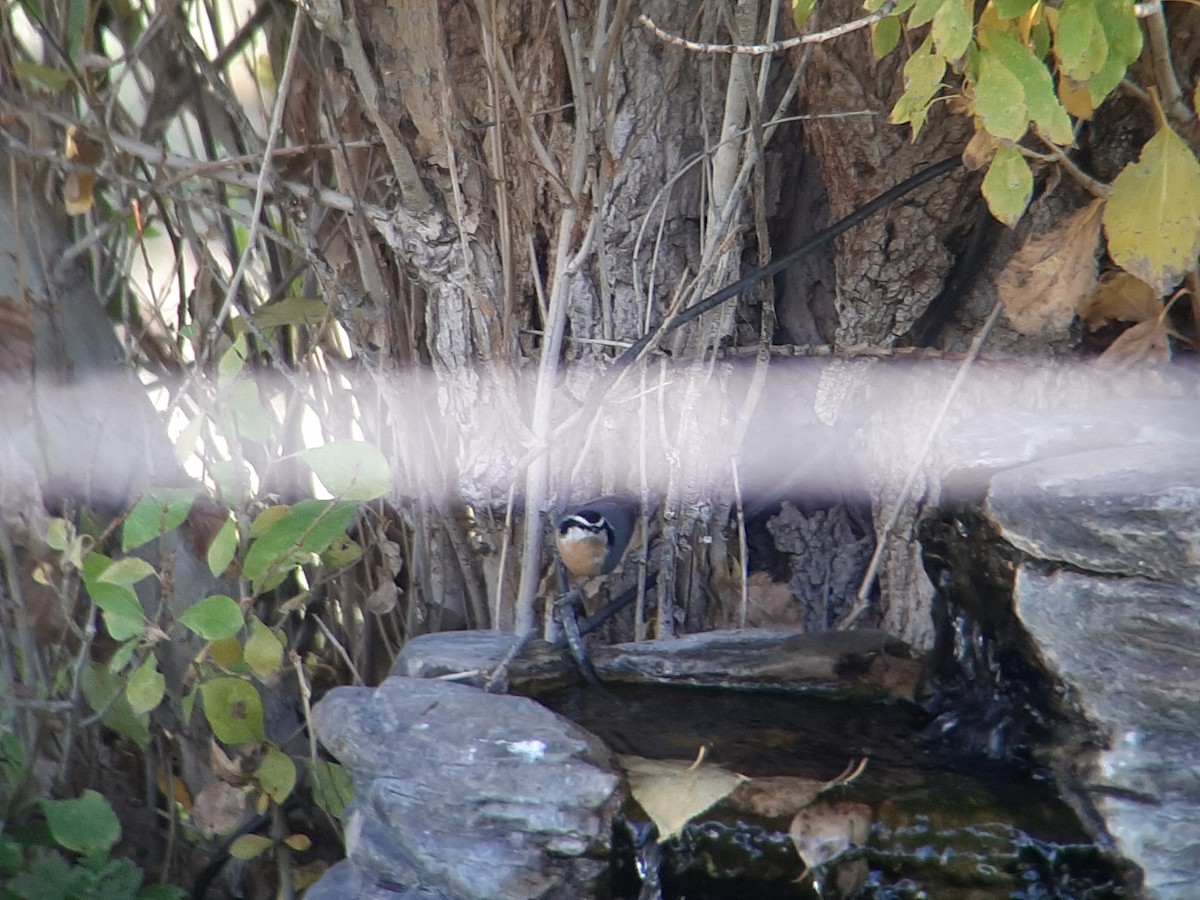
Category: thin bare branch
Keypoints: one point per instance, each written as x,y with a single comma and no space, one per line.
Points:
817,37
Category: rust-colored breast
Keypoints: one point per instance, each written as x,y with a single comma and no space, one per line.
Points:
583,553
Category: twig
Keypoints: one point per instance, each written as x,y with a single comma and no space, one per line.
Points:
864,590
743,553
1164,68
817,37
1092,185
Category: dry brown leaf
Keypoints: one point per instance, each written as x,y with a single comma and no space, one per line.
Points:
172,786
979,150
1145,342
673,792
16,337
1047,279
383,599
1076,98
1120,297
219,808
825,830
776,796
77,191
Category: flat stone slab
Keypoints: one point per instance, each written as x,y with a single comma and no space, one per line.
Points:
766,658
469,657
1123,511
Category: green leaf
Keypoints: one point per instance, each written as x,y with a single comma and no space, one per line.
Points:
302,310
885,35
1080,42
126,571
105,693
252,419
1124,36
123,655
1152,219
264,649
922,78
59,534
223,548
276,774
214,618
1000,98
1012,9
307,528
350,470
333,788
248,846
923,12
154,515
85,825
232,361
801,10
342,552
1008,185
233,708
46,76
123,613
952,28
1041,99
146,686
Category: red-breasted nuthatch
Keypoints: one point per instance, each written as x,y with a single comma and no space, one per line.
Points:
592,537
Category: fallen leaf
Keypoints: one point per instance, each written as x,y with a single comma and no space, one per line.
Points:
673,792
1120,297
219,808
824,830
776,796
1145,342
1048,278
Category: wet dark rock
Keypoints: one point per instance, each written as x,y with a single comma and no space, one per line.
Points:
1128,651
464,794
1077,602
866,660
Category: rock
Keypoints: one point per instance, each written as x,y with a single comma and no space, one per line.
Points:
1123,511
473,655
464,794
1128,651
1110,606
765,658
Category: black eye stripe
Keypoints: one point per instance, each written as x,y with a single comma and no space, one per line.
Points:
584,522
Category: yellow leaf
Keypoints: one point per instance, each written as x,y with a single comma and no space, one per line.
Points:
673,792
264,650
248,846
1048,278
1153,215
77,192
172,786
1008,185
298,842
226,653
1076,99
